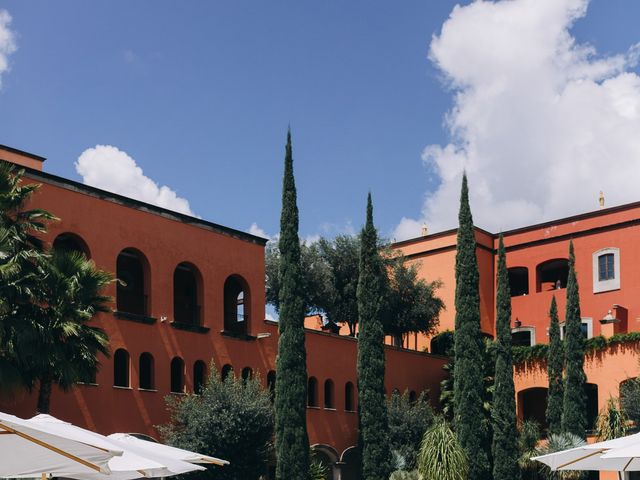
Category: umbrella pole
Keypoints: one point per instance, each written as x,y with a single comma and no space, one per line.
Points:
44,476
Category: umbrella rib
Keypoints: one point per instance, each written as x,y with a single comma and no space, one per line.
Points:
581,458
51,447
628,463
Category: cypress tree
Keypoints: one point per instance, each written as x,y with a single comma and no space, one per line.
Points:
291,439
374,436
574,419
468,375
503,415
555,366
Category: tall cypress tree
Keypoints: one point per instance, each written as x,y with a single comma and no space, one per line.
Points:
555,367
574,419
374,436
292,441
503,415
468,375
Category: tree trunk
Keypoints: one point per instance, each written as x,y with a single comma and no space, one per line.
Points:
44,393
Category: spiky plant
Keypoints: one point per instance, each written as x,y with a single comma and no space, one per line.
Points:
441,456
611,422
556,443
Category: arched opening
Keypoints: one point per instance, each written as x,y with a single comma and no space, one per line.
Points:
351,460
186,294
552,274
328,394
247,374
312,392
592,410
146,372
132,271
349,404
413,397
518,281
630,399
327,456
532,405
271,383
226,371
236,305
199,376
121,368
177,375
70,242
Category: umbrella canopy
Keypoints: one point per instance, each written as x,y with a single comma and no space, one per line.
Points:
595,456
31,450
133,463
166,450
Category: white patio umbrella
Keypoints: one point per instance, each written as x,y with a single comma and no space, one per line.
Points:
32,450
133,463
166,450
595,456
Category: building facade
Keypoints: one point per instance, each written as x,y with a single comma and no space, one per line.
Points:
192,294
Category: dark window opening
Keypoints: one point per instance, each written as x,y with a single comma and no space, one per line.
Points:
328,394
69,242
271,383
552,275
121,368
226,371
591,393
584,329
199,376
518,281
236,305
532,404
247,374
177,375
312,392
413,397
521,338
348,397
131,290
146,371
186,308
606,270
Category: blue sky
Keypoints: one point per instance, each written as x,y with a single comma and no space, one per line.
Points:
200,95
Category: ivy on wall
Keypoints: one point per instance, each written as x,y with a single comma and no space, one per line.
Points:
523,356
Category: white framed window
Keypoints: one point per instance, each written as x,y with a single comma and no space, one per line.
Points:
606,270
587,328
523,336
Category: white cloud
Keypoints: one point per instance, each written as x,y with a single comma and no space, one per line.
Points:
254,229
540,122
111,169
7,41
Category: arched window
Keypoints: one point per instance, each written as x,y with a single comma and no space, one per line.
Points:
328,394
186,294
177,375
226,371
348,397
552,274
523,336
247,374
236,305
132,271
199,376
518,281
413,397
146,372
70,242
532,405
271,382
312,392
121,368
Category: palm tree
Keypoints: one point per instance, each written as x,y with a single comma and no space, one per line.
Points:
20,254
441,457
61,347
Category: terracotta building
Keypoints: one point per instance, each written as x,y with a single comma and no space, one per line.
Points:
193,293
